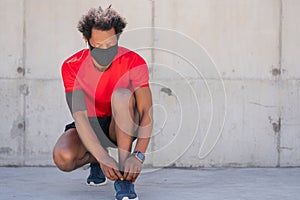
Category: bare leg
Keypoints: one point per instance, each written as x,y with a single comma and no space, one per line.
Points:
123,123
69,153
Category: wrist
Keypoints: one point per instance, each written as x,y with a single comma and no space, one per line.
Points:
102,156
139,156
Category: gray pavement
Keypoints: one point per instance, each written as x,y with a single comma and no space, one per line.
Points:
166,184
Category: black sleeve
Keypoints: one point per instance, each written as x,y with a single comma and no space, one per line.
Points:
76,101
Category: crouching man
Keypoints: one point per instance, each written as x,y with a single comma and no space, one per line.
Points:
108,94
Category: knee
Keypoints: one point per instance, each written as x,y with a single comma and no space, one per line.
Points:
122,98
64,159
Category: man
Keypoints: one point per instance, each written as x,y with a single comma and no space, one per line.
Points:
108,94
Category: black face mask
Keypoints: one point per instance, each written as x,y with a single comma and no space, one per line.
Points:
104,57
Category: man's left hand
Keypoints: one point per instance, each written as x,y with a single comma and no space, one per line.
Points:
132,169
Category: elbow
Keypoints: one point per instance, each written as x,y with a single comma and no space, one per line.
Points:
79,115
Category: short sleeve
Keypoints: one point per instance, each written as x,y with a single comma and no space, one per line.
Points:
139,73
69,78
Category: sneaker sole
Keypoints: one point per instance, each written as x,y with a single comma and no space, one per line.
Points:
99,184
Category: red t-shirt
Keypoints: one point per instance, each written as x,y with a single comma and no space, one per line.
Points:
128,70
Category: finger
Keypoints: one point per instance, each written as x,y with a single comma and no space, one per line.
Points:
104,170
136,174
130,174
133,180
113,174
126,172
110,173
135,177
118,173
106,173
129,177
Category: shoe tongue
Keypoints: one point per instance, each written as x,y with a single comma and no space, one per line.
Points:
125,185
128,183
95,168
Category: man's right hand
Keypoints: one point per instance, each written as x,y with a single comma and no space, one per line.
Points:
110,168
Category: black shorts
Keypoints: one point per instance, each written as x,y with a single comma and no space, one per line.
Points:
100,126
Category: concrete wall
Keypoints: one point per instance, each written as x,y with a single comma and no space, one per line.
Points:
224,74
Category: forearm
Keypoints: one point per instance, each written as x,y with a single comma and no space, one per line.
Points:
88,136
144,133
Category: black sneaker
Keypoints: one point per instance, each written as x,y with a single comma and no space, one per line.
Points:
125,190
96,177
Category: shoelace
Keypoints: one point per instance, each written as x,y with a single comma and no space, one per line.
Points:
95,170
125,186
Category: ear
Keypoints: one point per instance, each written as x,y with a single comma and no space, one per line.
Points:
85,39
86,42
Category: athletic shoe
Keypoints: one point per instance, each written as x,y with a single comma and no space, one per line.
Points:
125,190
96,177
